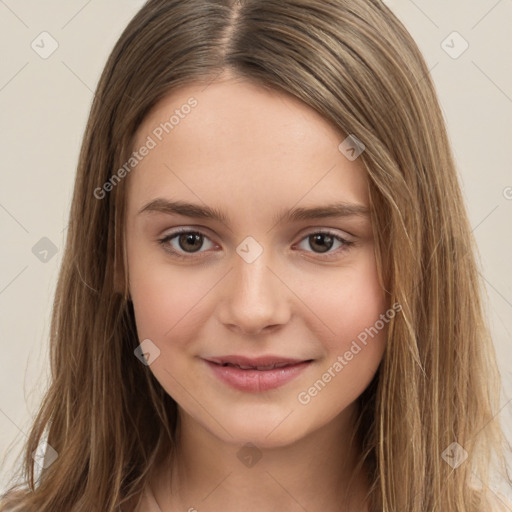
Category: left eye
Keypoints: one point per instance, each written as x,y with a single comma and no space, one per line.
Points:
324,240
189,242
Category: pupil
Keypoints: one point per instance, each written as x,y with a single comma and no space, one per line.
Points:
318,240
190,238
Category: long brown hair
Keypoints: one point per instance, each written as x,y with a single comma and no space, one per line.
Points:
108,418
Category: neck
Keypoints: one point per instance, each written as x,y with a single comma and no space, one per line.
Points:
316,473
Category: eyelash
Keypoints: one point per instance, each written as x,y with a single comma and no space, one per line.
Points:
167,238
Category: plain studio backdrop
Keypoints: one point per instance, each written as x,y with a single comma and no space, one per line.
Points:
52,54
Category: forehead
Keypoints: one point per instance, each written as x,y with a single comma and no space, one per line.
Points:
240,108
241,139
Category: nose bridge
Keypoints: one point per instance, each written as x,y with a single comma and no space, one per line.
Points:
255,297
254,278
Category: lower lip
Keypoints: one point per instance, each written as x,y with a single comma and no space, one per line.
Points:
257,380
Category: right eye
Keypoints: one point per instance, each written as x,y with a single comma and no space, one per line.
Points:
185,239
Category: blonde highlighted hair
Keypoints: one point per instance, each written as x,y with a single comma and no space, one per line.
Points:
354,63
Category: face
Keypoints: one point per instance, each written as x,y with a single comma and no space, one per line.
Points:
264,313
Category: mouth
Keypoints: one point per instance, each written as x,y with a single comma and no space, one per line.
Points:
256,374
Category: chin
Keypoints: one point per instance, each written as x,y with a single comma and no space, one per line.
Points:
265,426
259,436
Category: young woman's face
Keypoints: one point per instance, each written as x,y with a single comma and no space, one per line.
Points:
267,284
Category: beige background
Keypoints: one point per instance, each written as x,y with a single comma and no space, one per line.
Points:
45,103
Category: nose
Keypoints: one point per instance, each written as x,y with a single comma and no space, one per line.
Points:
255,298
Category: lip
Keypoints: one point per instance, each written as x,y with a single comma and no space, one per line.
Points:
256,374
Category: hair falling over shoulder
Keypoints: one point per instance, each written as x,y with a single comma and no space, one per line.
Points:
438,384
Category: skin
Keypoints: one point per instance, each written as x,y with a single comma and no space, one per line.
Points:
252,152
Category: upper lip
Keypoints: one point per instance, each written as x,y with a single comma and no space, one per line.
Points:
256,362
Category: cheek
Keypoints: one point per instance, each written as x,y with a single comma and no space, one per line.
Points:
167,300
349,303
352,306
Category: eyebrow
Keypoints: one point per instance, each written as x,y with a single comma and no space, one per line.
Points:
336,210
